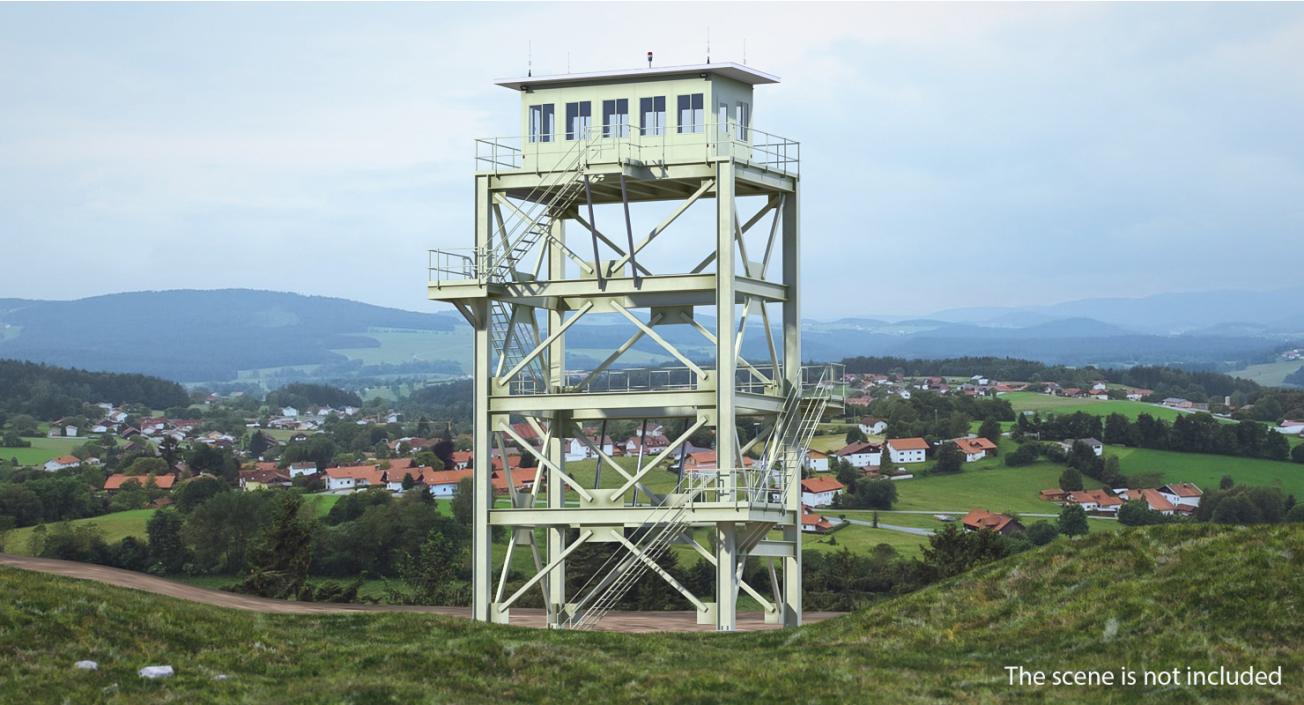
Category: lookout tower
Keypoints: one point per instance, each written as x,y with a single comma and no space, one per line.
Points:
718,426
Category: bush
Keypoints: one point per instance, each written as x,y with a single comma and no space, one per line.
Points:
950,459
1139,513
1073,520
1026,454
1042,533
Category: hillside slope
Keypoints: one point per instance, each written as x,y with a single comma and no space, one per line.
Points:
1163,598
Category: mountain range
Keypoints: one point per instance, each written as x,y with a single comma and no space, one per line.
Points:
230,334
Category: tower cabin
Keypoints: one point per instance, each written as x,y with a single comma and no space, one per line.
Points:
640,117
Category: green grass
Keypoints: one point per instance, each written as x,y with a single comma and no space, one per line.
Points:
43,449
1158,598
1206,470
116,526
1033,401
990,486
861,539
1270,374
401,345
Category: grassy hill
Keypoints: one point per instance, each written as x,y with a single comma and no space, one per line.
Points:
1162,598
1033,401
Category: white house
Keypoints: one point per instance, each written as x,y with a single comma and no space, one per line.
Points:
871,426
1182,494
820,491
443,483
861,454
816,461
289,411
975,448
907,450
62,462
577,450
302,469
1290,427
354,477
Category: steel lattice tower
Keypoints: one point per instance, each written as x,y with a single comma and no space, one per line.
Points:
541,263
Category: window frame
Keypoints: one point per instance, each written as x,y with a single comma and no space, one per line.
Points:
658,126
546,127
696,112
619,128
580,124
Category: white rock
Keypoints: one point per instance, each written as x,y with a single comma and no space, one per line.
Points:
221,677
87,665
156,672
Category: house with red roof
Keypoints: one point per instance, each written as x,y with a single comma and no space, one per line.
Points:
820,491
62,462
979,519
860,454
813,523
1182,494
352,477
907,450
117,481
1100,501
975,448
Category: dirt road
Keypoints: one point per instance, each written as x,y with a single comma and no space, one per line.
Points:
684,621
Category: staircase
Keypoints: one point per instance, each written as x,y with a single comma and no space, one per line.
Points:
549,200
666,526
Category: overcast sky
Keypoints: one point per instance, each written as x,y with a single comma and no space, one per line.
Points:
952,155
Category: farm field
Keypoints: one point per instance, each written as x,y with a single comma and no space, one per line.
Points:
1270,374
994,487
398,346
1033,401
862,539
116,526
1207,470
42,449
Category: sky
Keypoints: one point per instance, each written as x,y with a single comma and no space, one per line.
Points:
952,155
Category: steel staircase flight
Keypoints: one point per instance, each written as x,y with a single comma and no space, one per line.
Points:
549,200
629,568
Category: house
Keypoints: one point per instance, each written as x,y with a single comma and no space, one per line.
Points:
820,491
262,478
861,454
979,519
974,448
524,479
1095,501
1138,393
700,460
1153,499
872,426
443,483
354,477
815,461
1100,394
907,450
813,523
577,449
1096,446
1182,494
651,445
115,482
302,469
1290,427
62,462
420,476
1053,495
461,459
1177,403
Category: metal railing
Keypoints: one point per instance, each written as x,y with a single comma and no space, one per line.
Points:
711,140
761,378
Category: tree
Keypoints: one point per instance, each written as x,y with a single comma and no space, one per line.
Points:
1226,483
258,444
1070,480
855,435
1042,533
1025,454
991,430
1138,513
1073,520
432,572
148,465
196,491
1237,509
279,561
167,552
13,440
408,483
464,502
871,494
1297,453
950,459
1276,447
846,473
953,550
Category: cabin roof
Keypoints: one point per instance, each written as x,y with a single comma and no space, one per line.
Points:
737,72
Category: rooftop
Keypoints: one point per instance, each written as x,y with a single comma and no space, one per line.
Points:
737,72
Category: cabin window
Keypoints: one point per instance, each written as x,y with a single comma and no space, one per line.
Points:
722,119
653,111
744,119
615,118
692,117
579,119
542,123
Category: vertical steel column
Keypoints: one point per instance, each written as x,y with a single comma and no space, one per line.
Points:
560,422
481,532
726,366
791,215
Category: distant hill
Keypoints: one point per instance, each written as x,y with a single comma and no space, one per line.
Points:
189,335
50,392
1144,599
210,336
